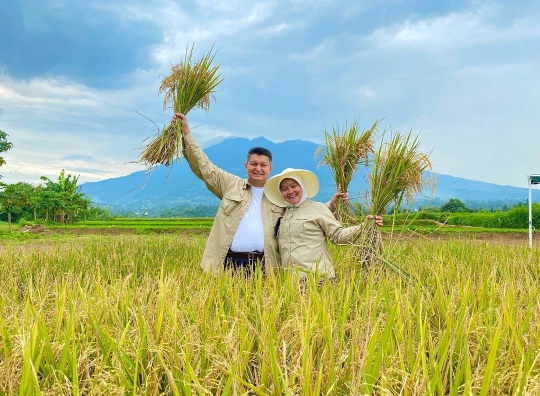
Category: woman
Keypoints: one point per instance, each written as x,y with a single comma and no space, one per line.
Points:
305,225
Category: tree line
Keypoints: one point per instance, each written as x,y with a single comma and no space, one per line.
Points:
58,201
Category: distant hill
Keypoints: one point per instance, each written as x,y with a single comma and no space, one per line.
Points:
176,185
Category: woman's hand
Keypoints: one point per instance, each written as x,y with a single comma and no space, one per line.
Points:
378,219
334,200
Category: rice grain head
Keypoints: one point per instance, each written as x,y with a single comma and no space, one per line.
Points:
397,177
191,84
343,152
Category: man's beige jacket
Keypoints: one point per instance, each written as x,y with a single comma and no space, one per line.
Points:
235,195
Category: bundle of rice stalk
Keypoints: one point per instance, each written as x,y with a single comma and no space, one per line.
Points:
343,152
397,177
191,84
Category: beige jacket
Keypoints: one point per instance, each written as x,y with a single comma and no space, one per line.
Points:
302,238
235,195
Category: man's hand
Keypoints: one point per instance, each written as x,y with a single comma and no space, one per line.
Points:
183,119
333,202
378,219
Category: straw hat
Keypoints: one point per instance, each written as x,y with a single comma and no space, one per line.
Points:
271,187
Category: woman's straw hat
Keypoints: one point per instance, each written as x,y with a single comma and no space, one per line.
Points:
271,187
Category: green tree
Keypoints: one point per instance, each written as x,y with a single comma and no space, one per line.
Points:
64,197
454,205
35,200
4,146
13,198
518,216
97,213
50,200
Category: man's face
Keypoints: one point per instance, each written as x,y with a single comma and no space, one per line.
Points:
258,168
290,191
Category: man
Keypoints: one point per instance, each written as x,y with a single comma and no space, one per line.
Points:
243,231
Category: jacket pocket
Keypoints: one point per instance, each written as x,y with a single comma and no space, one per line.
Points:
298,224
230,204
278,210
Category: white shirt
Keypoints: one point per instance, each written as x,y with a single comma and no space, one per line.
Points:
249,236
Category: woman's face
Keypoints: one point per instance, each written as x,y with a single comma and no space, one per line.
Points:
290,191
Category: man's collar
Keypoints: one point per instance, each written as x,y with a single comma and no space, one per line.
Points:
247,184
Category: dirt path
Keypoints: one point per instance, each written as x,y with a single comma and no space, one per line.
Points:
495,237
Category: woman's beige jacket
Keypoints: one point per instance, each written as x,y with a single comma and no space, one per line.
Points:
302,238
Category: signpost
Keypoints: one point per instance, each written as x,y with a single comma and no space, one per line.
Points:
532,179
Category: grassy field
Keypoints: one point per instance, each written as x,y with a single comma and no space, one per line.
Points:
116,314
174,225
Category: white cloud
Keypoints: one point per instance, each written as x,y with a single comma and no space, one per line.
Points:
128,11
50,119
483,125
453,31
208,135
319,51
202,29
275,29
366,95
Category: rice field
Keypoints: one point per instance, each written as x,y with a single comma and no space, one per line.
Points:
134,314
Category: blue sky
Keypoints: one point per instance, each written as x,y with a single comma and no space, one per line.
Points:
76,78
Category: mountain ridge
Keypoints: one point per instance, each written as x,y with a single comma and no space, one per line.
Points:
166,187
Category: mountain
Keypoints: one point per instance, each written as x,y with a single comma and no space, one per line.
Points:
176,185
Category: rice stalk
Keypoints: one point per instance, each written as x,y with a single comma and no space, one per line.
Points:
343,152
396,178
190,85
